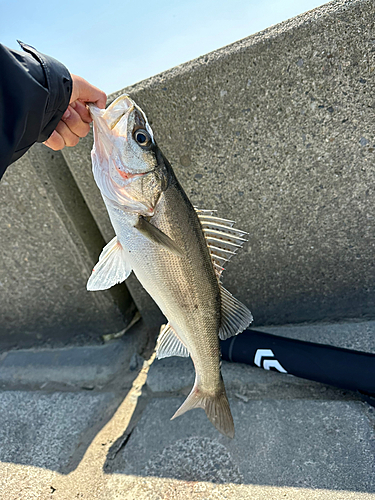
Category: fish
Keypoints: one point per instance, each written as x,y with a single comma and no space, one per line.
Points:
176,251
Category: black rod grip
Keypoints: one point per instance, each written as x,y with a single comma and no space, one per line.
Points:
344,368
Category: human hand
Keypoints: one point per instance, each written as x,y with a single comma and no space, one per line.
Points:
76,119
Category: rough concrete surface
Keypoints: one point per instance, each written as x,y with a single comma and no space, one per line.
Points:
48,241
294,440
85,365
357,335
311,444
44,430
276,132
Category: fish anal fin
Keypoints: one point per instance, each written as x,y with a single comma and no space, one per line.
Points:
216,407
235,316
112,267
169,344
156,236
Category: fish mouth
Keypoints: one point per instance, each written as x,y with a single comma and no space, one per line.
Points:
117,109
112,125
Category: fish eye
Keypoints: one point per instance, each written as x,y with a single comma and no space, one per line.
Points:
142,137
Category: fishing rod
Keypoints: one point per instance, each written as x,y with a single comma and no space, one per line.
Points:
344,368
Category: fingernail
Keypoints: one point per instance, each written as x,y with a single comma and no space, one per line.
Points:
66,114
73,104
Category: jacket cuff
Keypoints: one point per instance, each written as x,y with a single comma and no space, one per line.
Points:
59,83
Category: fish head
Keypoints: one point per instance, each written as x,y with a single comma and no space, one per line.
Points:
124,157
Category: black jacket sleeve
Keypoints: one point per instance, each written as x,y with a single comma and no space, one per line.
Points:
35,90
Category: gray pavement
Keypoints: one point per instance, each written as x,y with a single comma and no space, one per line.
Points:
304,443
108,435
44,429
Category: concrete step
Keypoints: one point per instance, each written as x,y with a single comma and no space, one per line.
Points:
87,367
295,439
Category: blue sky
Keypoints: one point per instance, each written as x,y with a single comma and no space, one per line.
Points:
116,43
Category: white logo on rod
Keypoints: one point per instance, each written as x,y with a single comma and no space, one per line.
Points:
267,364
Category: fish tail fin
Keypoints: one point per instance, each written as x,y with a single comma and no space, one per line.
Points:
216,407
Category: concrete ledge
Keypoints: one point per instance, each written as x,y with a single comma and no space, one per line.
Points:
88,366
82,367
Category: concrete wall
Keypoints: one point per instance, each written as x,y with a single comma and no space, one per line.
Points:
276,132
49,243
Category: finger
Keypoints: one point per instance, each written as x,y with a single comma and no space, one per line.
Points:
55,141
72,119
86,92
69,137
82,110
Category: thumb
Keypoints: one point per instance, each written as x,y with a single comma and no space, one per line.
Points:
85,92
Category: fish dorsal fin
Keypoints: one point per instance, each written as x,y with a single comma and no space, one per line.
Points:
169,344
235,317
222,239
111,268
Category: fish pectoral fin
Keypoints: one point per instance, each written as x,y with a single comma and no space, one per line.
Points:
169,344
235,317
111,268
155,235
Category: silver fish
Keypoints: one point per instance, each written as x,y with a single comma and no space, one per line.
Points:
176,251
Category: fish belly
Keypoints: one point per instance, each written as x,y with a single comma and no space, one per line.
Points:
185,288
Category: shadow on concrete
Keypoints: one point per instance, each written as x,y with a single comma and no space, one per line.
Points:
52,424
327,444
52,430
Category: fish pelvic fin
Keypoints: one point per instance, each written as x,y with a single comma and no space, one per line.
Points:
216,407
169,344
111,269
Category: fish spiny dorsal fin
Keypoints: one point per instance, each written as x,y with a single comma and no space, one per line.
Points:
169,344
235,317
222,239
